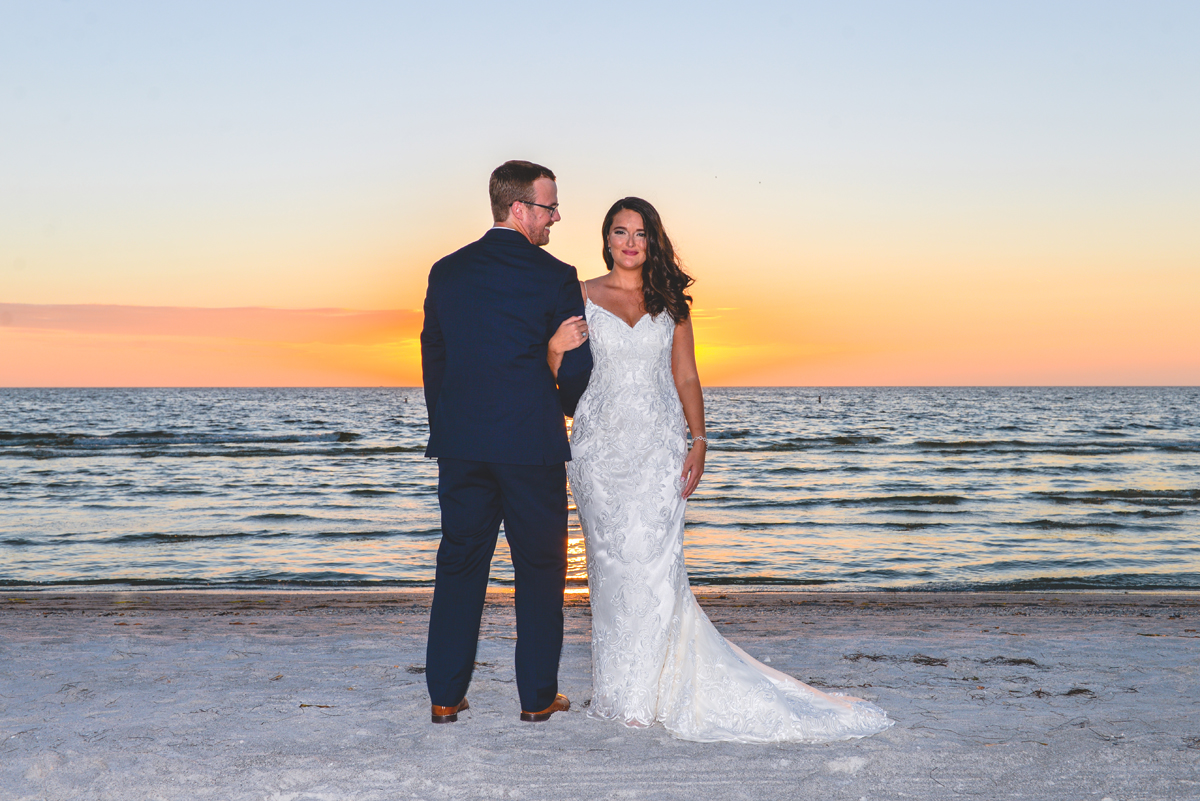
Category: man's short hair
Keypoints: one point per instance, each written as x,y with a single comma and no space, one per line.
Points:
513,181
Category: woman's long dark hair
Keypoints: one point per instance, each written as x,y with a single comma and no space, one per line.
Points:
664,283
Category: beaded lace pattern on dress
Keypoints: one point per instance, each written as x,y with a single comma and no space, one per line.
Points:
656,657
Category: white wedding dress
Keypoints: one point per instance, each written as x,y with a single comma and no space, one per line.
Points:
656,658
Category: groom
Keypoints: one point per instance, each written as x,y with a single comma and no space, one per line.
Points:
496,429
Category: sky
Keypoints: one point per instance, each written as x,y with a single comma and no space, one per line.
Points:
867,193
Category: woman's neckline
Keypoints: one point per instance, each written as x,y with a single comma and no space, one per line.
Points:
619,317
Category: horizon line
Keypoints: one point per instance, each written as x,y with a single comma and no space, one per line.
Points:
713,386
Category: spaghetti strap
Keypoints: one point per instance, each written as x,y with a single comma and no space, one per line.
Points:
583,286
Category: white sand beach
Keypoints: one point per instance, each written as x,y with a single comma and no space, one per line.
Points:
294,696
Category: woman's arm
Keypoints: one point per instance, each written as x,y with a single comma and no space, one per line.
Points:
571,333
687,384
569,336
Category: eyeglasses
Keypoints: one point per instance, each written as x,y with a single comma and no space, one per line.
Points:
550,209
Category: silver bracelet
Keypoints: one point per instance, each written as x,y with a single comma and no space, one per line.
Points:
700,439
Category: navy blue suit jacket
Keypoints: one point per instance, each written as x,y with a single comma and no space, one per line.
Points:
490,311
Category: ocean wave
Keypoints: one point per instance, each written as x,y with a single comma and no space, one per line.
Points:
699,523
160,537
1148,514
1093,447
975,444
1185,497
216,452
379,535
275,581
940,500
129,439
280,516
807,444
1017,446
1066,525
743,503
758,581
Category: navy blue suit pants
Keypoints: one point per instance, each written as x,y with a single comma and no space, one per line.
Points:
475,498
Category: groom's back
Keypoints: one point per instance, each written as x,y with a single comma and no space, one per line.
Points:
489,314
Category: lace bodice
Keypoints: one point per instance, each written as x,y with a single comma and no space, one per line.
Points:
630,407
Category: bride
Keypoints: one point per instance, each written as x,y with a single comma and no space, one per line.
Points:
656,658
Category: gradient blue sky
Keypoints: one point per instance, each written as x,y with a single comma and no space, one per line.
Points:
867,192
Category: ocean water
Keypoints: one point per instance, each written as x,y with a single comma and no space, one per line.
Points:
841,488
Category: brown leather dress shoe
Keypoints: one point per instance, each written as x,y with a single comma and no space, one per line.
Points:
561,704
449,714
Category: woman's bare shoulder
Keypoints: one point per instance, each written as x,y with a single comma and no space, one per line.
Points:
590,285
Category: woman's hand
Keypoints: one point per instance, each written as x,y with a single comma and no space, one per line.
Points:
570,335
693,467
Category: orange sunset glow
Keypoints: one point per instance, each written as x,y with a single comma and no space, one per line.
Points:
950,198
